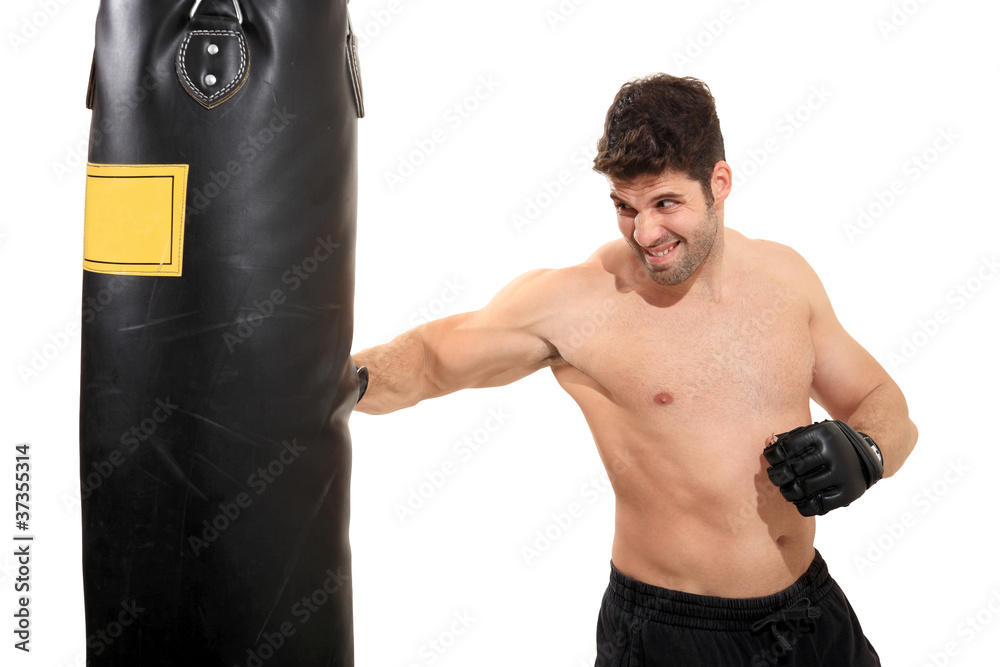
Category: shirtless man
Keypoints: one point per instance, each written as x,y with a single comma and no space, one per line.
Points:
706,348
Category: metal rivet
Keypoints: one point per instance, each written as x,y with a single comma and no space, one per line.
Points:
212,49
210,79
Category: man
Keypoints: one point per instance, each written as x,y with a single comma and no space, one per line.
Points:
705,345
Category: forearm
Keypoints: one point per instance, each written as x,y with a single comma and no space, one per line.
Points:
884,416
397,375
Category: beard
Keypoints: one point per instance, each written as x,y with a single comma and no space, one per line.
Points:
689,254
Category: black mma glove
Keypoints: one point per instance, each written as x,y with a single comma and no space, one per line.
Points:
362,379
823,466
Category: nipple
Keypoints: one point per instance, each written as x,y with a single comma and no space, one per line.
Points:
664,398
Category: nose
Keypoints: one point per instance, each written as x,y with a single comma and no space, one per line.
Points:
646,233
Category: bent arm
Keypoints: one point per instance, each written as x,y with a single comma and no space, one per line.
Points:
884,416
494,346
852,386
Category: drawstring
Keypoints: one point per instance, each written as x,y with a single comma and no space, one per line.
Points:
799,610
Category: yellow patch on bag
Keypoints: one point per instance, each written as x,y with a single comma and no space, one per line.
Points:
134,219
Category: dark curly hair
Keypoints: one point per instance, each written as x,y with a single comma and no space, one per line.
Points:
662,123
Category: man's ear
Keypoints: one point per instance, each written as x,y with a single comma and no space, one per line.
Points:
722,181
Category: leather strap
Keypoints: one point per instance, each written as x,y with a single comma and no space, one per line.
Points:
213,60
354,68
91,83
236,7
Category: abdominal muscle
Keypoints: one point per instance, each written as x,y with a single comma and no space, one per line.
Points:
710,524
694,509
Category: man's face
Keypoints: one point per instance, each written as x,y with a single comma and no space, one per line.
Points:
665,215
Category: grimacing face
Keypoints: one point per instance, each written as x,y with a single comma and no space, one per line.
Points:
667,222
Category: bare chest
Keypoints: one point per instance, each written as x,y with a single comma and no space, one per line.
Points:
748,356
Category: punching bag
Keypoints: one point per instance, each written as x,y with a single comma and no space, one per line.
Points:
218,298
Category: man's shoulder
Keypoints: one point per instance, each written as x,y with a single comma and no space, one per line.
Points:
547,300
761,249
582,278
611,263
772,257
612,251
784,268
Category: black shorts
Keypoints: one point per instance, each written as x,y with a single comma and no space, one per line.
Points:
809,623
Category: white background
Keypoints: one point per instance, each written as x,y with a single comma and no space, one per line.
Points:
444,241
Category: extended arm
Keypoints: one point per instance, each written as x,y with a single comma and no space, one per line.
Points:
501,343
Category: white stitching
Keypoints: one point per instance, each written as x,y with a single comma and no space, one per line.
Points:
239,74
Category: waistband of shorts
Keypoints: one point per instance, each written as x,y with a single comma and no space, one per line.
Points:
715,613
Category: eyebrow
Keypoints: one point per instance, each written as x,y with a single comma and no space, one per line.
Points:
658,197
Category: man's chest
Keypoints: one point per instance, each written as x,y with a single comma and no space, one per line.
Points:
751,352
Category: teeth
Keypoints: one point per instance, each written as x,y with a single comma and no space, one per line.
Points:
661,254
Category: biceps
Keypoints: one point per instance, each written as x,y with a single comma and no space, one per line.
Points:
467,350
845,372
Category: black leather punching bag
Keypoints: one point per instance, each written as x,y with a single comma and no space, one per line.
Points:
218,299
